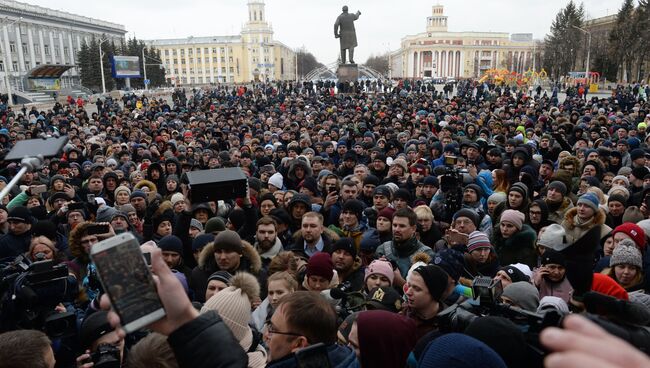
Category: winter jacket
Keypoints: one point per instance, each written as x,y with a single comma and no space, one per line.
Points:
250,262
339,356
558,215
519,248
575,231
403,254
193,344
298,246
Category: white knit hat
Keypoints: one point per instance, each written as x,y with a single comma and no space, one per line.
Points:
177,197
554,237
276,180
234,306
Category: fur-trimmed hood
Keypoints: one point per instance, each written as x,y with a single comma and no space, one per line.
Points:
146,183
291,173
250,258
569,218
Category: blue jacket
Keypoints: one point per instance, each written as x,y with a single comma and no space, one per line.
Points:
340,357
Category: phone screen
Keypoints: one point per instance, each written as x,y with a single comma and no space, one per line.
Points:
127,281
97,229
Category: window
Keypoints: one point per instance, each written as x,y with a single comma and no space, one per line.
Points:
173,52
37,50
25,51
214,50
2,66
23,29
27,66
175,61
190,51
182,52
223,70
12,47
223,49
191,70
223,59
230,59
166,52
47,50
57,52
232,69
66,51
191,60
14,66
183,61
214,59
206,50
198,50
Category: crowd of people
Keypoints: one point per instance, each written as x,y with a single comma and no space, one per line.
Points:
368,217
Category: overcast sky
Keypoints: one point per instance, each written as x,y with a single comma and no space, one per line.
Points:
310,23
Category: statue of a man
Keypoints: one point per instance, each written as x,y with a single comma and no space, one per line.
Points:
347,34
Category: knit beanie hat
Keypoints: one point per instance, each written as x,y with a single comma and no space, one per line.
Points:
435,278
520,188
201,241
633,214
589,199
624,178
502,335
237,218
382,190
355,206
276,180
345,244
370,240
523,294
234,306
138,194
196,224
177,197
640,172
105,214
402,194
371,179
617,198
626,252
93,327
470,214
549,303
554,237
551,256
451,261
126,208
379,267
604,284
228,240
214,224
559,186
171,243
514,217
497,197
320,264
123,188
477,240
223,276
515,274
387,212
633,231
617,189
459,351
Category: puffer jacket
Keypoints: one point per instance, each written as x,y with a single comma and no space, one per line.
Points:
250,262
519,248
339,356
575,231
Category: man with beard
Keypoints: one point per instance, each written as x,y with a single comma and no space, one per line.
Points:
268,245
404,244
313,237
347,264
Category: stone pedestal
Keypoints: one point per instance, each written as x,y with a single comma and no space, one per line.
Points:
346,74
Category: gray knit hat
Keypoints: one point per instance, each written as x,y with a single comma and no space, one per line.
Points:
195,223
523,294
553,236
626,252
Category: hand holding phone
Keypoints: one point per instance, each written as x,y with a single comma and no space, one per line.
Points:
178,308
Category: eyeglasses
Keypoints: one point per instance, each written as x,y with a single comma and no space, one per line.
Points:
535,213
270,329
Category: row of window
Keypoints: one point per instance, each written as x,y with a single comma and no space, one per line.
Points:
190,51
37,50
200,71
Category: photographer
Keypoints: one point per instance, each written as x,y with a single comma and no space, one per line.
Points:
18,239
100,341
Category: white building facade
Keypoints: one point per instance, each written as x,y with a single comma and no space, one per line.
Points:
34,37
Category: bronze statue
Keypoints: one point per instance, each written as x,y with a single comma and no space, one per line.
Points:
347,34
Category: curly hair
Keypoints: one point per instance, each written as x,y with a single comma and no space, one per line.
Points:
76,249
284,261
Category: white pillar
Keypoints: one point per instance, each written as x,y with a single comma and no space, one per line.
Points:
41,44
214,54
187,64
7,59
71,49
52,46
61,48
30,47
19,50
204,75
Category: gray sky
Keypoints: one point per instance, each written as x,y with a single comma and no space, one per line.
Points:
310,23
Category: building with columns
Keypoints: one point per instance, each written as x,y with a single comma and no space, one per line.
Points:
37,41
437,53
253,55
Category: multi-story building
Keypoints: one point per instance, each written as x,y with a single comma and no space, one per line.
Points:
439,53
253,55
41,42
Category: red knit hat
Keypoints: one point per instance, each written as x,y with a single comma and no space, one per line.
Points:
606,285
633,231
320,264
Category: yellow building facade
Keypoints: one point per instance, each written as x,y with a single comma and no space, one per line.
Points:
438,53
253,55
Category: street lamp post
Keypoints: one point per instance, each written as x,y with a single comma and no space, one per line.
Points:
144,67
10,99
101,65
588,50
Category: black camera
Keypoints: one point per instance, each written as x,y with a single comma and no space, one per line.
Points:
30,293
106,356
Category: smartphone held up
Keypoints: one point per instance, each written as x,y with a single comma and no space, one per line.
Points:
126,279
